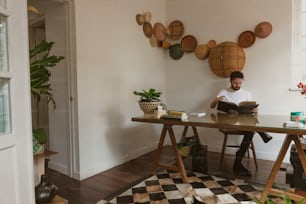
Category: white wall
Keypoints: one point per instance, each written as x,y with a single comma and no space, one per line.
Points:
114,58
191,85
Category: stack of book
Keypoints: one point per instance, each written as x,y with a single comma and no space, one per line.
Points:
176,115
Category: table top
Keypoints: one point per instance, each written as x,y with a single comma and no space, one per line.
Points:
46,153
242,122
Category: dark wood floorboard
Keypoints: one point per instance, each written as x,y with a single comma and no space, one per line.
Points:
109,183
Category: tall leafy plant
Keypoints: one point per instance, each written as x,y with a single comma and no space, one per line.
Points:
41,62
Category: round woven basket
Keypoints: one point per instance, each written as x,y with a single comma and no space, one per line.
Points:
189,43
175,30
148,107
225,58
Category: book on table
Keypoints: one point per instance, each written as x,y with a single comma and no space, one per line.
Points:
244,107
175,114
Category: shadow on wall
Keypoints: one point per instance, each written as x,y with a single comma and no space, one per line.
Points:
125,141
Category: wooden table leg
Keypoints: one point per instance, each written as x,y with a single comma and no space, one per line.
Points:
268,189
179,160
195,132
185,130
180,165
301,152
159,149
276,167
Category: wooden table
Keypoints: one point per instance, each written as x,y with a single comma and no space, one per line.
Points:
260,123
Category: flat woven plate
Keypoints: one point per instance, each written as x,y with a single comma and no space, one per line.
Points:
211,43
201,51
139,19
159,31
175,30
147,16
246,39
147,29
189,43
263,29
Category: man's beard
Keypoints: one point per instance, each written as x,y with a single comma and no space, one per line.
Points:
235,88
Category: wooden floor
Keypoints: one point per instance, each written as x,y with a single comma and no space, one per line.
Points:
113,181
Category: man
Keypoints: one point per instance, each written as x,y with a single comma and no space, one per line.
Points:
236,94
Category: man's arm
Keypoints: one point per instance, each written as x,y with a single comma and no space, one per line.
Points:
216,100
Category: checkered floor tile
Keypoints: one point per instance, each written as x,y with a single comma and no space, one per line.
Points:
168,188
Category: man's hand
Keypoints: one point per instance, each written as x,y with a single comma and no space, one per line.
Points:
254,111
216,100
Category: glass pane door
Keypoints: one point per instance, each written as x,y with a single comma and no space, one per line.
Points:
5,119
3,44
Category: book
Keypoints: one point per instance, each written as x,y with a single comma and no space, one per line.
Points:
176,115
244,107
292,124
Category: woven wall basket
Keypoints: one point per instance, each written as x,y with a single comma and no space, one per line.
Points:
225,58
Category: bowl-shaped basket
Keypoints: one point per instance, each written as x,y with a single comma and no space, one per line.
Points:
148,107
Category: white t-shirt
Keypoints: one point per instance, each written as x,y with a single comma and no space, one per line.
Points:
235,96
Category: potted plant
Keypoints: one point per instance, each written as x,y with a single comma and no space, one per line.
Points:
40,63
148,101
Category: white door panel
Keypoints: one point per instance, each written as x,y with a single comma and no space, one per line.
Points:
8,191
16,156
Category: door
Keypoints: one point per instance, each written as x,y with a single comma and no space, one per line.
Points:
54,24
16,157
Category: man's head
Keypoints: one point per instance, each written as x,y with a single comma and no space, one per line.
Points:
236,79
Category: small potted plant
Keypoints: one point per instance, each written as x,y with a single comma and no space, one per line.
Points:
148,101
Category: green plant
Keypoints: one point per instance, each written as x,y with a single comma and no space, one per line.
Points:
149,96
40,135
40,63
40,74
285,199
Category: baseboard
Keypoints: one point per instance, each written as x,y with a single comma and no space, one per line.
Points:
127,157
58,167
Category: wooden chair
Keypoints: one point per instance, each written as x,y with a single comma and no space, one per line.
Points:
225,145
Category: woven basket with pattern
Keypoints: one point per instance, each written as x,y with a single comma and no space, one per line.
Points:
225,58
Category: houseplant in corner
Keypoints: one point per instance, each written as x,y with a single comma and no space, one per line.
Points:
148,101
40,63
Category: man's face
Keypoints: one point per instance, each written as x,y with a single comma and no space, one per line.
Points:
236,83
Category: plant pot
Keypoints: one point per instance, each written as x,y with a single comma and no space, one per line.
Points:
148,107
37,147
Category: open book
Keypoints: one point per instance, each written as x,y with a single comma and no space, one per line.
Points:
244,107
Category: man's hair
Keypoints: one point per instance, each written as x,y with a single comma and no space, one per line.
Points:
236,74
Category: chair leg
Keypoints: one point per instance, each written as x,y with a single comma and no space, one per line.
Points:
223,147
254,154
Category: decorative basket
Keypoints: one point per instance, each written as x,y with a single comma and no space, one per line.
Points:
148,107
225,58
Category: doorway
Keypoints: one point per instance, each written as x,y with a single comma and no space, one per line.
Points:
52,24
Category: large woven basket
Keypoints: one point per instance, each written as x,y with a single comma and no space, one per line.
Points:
225,58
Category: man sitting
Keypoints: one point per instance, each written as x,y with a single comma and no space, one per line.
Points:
236,94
